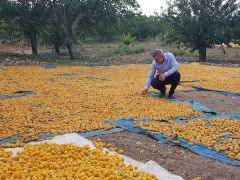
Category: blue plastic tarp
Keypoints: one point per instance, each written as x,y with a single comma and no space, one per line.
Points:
208,116
195,104
9,140
86,134
49,66
69,75
92,77
95,65
48,136
45,137
20,94
128,125
87,77
226,93
100,132
188,81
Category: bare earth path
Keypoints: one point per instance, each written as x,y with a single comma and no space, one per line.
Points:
221,104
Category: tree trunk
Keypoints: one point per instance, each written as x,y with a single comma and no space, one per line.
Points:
69,40
57,49
55,24
33,38
224,52
69,44
202,54
10,38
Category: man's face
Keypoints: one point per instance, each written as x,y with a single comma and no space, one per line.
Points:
159,59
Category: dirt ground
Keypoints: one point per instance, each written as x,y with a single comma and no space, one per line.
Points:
177,160
221,104
20,54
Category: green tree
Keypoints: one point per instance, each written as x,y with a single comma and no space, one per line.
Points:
30,15
171,37
54,32
58,18
78,13
127,39
10,31
143,27
201,24
236,29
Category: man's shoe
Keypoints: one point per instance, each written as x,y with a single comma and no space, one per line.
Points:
170,96
163,93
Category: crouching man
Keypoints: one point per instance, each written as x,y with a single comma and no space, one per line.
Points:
166,67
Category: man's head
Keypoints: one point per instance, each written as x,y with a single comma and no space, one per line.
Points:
158,55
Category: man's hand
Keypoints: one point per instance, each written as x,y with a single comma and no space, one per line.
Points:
144,92
162,77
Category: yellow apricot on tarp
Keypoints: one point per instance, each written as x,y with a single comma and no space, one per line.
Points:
67,106
196,132
120,151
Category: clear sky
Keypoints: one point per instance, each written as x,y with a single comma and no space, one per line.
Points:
149,6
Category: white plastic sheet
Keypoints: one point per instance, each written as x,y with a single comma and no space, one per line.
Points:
150,167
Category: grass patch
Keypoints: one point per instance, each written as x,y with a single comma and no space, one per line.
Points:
184,53
238,55
48,57
122,51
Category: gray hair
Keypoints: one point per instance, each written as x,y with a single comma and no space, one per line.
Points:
157,52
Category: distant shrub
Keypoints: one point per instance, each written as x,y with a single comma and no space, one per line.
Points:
178,52
122,51
185,53
127,39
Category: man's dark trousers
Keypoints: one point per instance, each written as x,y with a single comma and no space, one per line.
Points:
173,79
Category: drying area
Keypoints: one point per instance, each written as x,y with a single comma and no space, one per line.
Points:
39,103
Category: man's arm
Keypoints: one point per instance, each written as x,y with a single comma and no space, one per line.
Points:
150,76
174,66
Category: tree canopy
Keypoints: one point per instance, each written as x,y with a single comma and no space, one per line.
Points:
201,24
196,24
60,20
